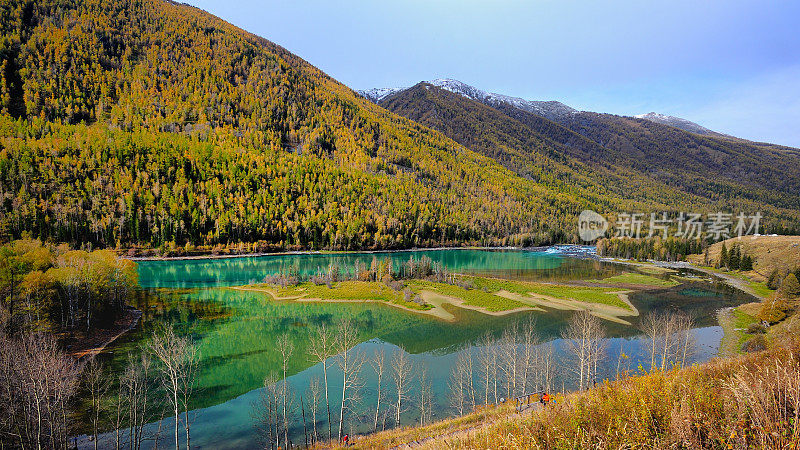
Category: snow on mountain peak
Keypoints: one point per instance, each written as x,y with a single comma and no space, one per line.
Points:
549,109
378,94
676,122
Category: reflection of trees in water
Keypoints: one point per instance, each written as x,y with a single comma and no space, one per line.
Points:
229,271
236,331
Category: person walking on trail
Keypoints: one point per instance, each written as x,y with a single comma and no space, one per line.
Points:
345,439
545,399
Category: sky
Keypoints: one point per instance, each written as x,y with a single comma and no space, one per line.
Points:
732,66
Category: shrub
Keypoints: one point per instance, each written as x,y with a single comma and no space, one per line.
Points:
773,310
789,287
756,344
394,284
756,328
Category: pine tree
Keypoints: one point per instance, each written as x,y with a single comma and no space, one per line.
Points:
723,257
734,257
746,263
773,282
789,287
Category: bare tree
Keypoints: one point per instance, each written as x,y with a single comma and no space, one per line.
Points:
487,359
37,382
96,384
687,344
378,363
321,347
350,362
508,359
530,353
425,401
401,375
583,337
132,400
265,412
669,338
285,348
548,366
314,397
178,357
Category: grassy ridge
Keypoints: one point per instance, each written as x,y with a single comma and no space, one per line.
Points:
638,278
481,294
472,297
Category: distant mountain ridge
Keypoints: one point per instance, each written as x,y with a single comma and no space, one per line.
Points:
616,157
549,109
553,110
677,122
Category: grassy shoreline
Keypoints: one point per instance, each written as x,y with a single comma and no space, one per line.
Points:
492,296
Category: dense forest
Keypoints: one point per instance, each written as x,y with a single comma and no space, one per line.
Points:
643,249
149,124
155,124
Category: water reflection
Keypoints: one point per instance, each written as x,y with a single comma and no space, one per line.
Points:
236,330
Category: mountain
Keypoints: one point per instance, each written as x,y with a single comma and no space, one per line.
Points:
548,109
157,125
624,160
152,124
677,122
552,110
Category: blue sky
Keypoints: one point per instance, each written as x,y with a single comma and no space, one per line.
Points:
732,66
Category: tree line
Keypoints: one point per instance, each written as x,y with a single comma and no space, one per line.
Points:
642,249
45,287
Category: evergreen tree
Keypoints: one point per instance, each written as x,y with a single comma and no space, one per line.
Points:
746,263
723,257
734,257
773,282
790,288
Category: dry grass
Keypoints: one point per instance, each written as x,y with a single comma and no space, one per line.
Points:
770,253
751,401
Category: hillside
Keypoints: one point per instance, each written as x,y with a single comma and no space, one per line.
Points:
624,156
769,253
156,124
749,401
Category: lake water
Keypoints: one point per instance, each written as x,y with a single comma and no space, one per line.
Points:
236,331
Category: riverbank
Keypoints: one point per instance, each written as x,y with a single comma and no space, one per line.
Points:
735,402
736,281
94,343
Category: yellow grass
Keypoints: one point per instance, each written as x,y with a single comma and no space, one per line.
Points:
770,252
743,402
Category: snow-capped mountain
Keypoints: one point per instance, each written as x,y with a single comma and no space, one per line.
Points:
549,109
378,94
676,122
552,110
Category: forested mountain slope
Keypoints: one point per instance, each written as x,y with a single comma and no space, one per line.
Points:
626,159
153,123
